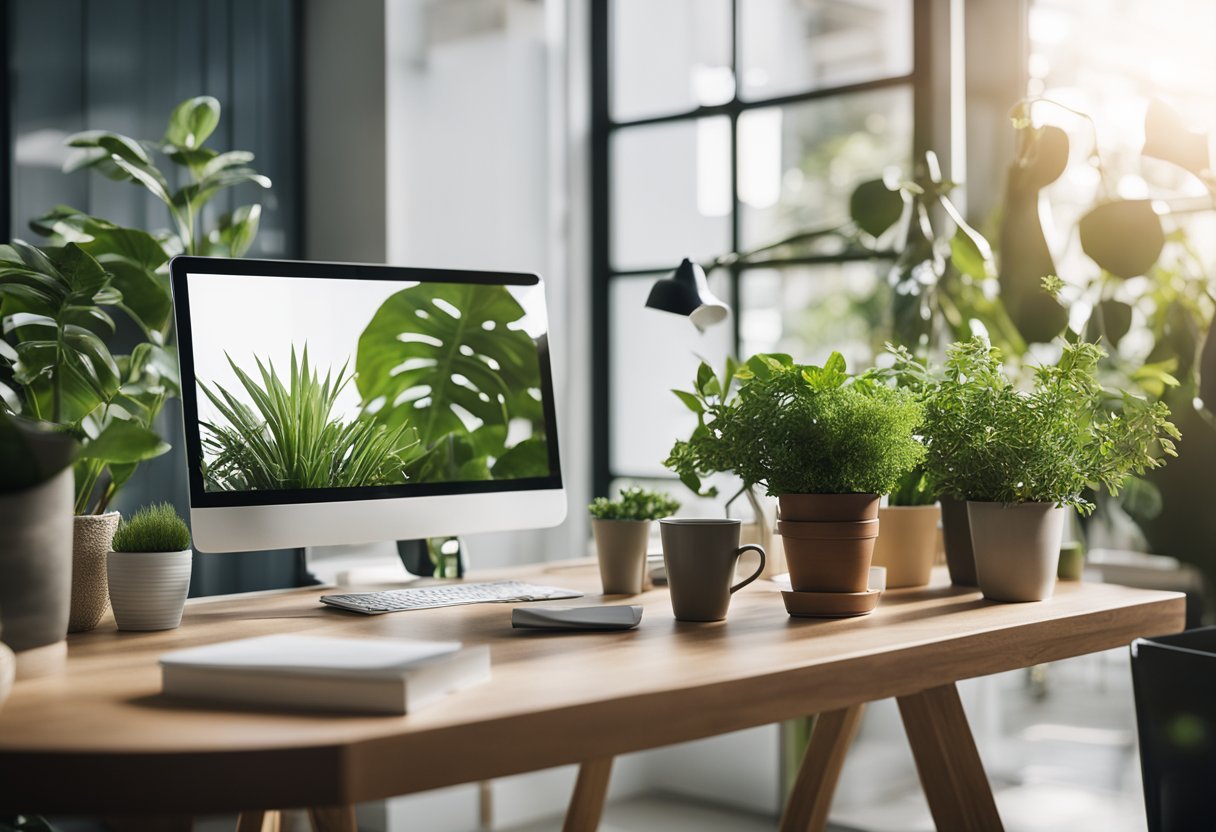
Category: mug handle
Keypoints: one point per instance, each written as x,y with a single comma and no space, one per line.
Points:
753,547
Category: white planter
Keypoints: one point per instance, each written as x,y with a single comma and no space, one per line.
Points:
1017,549
148,589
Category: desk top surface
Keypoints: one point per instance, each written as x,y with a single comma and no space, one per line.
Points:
553,696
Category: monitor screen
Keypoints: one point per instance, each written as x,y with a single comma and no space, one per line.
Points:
321,382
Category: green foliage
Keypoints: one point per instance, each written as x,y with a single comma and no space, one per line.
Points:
291,439
57,359
435,353
704,452
31,453
988,440
801,429
634,504
154,528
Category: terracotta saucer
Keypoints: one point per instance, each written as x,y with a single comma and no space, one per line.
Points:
830,604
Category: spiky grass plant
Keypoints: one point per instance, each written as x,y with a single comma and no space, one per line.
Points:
154,528
291,438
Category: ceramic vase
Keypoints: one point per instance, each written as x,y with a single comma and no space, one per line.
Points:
1017,549
36,574
956,537
908,544
90,542
620,547
148,589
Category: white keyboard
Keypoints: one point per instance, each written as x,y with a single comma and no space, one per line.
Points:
445,595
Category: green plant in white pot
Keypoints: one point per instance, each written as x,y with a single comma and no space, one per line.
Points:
149,569
622,532
1021,457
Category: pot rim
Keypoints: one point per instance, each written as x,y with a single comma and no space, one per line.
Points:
617,520
1016,505
95,517
165,554
701,521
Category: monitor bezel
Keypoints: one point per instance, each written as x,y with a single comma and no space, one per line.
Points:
183,265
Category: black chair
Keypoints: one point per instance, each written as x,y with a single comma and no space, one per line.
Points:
1174,678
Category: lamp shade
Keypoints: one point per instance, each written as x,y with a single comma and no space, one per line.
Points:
687,293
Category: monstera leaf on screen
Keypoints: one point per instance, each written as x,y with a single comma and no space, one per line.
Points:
436,349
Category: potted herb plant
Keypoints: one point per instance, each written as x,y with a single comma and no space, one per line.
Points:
36,529
826,444
622,531
149,569
1020,457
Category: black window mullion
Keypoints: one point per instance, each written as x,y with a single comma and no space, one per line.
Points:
601,363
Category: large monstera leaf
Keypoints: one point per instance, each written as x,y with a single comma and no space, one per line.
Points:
436,349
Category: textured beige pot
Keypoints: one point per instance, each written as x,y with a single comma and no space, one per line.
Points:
90,593
908,544
1017,549
148,589
620,547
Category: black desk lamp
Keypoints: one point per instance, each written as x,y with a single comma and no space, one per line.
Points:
686,292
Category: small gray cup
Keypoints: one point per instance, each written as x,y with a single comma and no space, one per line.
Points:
700,556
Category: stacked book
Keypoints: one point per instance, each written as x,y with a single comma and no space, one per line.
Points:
378,676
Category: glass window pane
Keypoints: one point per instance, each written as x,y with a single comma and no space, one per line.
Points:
652,353
788,46
671,195
799,164
669,56
809,311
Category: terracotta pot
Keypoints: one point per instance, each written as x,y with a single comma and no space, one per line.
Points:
1017,549
148,589
828,557
828,508
620,547
90,591
956,536
36,573
907,544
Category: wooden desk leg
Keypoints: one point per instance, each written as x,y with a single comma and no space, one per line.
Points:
806,809
949,766
267,821
590,791
332,818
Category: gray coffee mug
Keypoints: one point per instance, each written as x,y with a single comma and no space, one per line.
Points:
700,556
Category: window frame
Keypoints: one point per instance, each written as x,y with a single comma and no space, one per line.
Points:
928,79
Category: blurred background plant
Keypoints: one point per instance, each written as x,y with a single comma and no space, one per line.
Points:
64,358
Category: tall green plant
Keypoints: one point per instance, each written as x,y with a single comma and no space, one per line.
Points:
58,359
292,439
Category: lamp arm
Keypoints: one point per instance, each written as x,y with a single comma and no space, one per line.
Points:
800,237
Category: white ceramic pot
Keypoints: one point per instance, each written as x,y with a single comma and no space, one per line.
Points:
148,589
908,544
1017,549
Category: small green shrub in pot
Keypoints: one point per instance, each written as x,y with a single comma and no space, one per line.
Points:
149,569
1019,457
622,532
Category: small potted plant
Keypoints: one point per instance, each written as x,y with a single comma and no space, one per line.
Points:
622,532
149,569
1019,457
826,444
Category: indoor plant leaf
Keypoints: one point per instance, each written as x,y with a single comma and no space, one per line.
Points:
1124,237
435,350
875,207
192,121
123,441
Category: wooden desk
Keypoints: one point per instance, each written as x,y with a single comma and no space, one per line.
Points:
98,739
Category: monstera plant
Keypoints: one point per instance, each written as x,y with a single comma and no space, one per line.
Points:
450,360
60,357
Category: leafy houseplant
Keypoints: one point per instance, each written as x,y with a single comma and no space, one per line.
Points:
1019,456
149,569
622,532
827,444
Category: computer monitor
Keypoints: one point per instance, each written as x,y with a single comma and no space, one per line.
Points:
329,403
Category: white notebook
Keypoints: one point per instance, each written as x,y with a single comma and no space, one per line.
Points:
386,676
